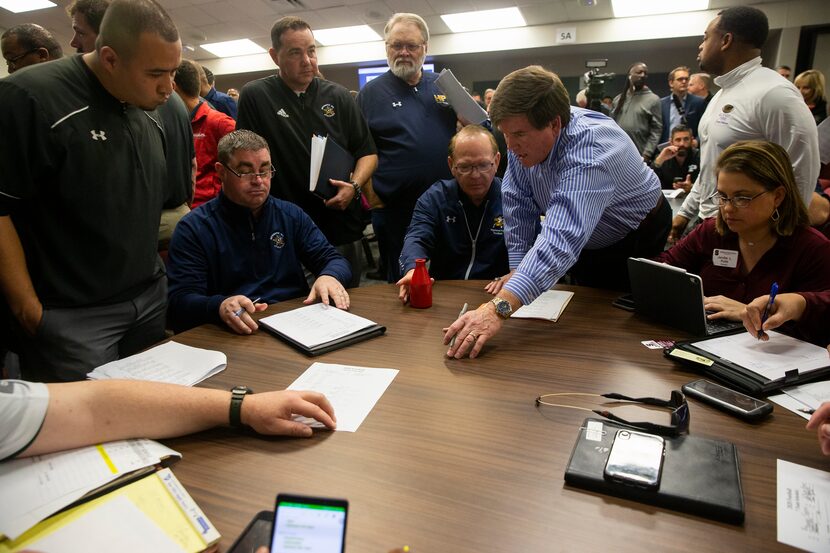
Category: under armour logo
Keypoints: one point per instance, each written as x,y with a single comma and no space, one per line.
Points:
450,218
282,113
397,104
98,135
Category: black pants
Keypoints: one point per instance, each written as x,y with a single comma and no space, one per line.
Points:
608,267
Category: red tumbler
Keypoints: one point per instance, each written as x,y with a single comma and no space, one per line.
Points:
420,289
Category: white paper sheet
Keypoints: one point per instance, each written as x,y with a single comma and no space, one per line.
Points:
33,488
316,324
352,391
116,525
170,362
460,100
318,148
548,306
803,507
770,359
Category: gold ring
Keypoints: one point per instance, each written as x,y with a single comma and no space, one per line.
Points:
496,279
474,336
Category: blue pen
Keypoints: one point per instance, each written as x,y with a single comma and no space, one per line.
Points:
241,310
772,292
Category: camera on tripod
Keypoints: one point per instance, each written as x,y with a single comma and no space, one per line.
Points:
595,89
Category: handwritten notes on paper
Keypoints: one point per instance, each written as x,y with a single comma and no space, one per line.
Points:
352,391
549,306
170,362
803,507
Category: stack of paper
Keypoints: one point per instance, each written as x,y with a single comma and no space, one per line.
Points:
33,488
549,306
803,518
170,362
465,107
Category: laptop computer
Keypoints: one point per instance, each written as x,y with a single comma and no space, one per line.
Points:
674,297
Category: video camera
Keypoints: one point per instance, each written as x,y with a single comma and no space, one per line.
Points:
595,81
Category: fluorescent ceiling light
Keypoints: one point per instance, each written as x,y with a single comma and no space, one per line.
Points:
631,8
345,35
20,6
485,19
231,48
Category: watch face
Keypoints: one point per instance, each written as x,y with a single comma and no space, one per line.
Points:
502,307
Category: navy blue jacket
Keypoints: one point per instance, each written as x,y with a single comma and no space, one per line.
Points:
443,227
694,106
222,102
218,250
411,127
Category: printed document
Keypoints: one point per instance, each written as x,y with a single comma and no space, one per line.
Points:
352,391
316,324
170,362
803,507
33,488
549,306
460,100
770,359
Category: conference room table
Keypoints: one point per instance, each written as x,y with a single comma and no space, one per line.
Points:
455,456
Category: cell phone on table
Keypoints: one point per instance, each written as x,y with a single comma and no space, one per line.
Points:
726,399
309,524
635,459
625,302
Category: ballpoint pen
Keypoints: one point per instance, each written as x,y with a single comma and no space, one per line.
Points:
241,310
463,310
772,292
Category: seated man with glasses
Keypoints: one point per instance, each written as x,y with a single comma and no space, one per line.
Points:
458,223
247,244
761,234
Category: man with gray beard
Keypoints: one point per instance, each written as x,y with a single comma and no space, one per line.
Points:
411,123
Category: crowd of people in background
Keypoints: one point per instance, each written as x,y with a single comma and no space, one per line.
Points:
218,184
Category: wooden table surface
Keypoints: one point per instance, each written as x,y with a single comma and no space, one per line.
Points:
456,457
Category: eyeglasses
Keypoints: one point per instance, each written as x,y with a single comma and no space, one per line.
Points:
250,177
12,62
401,46
738,201
677,403
681,79
480,167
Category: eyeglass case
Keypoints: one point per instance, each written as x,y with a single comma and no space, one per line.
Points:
700,476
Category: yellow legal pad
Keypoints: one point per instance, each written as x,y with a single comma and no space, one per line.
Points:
155,512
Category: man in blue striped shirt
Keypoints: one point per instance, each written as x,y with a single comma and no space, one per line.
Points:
576,167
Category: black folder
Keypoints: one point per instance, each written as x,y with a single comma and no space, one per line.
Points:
336,164
738,377
700,476
319,349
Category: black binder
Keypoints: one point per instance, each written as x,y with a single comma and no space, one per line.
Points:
738,377
336,164
700,476
319,349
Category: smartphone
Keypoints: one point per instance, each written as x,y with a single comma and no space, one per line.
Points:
635,459
625,302
735,403
309,524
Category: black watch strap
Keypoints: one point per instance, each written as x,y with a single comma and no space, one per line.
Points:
238,393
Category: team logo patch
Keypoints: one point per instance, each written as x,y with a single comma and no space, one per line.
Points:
728,108
498,225
98,135
440,98
278,239
327,109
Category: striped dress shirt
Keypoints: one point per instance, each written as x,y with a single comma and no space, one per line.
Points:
593,189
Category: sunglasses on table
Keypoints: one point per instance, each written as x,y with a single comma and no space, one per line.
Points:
677,403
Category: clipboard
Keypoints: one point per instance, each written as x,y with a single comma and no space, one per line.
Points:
313,351
699,476
737,376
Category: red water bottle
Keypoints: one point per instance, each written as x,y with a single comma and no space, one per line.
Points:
420,289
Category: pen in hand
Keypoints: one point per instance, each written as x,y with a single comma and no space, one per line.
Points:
241,310
773,291
463,310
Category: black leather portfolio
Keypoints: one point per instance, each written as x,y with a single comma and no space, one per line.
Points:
699,476
313,351
336,164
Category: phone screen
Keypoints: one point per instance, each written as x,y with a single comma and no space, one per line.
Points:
310,525
725,395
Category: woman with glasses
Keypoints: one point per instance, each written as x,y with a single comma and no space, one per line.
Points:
760,236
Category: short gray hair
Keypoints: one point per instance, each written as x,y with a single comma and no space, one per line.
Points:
240,140
412,18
